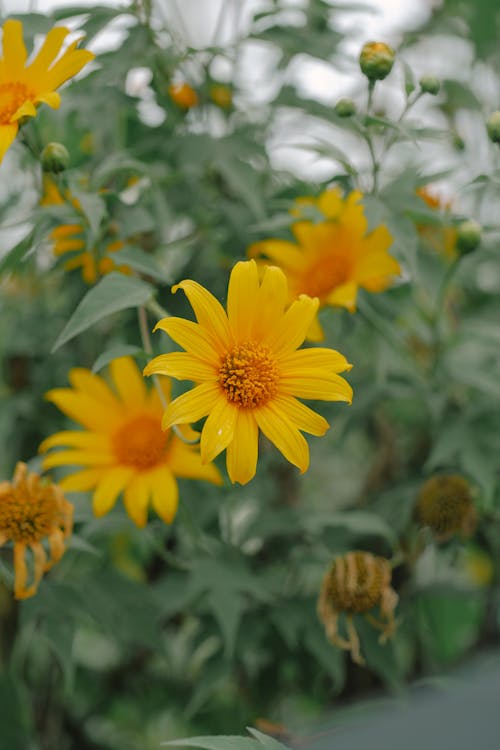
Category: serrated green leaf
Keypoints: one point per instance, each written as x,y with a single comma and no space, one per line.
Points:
111,294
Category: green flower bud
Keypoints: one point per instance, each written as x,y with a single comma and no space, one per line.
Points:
345,108
376,60
468,236
55,158
458,142
430,85
493,127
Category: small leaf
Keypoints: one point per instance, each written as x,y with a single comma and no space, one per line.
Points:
228,742
120,350
268,742
141,262
113,293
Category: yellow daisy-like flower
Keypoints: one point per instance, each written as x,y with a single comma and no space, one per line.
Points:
23,87
33,509
183,95
70,239
123,447
249,371
332,259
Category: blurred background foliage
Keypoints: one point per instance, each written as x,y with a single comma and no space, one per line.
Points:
204,627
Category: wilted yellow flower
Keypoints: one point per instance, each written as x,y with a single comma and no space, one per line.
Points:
33,509
21,87
123,447
332,259
354,584
446,506
249,371
443,239
70,239
183,95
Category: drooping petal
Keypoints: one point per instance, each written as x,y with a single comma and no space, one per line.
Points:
209,312
185,461
193,338
290,332
301,416
182,366
128,382
192,405
56,546
165,493
241,297
136,498
110,485
218,430
20,572
242,452
315,357
276,426
314,387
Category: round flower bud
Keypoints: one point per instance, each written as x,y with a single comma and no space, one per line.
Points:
376,60
493,127
345,108
468,236
221,95
430,85
55,158
445,505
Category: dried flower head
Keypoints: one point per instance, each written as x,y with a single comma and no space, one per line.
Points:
33,509
354,584
445,505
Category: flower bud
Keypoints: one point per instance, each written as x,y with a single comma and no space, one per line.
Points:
376,60
221,95
468,236
430,85
183,95
493,127
345,108
55,158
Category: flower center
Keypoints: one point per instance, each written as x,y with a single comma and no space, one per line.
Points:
326,274
29,513
12,96
140,443
249,375
357,581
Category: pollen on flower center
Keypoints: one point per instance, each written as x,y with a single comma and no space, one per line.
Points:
140,442
29,511
249,375
12,96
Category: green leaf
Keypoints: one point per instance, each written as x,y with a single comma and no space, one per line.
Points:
94,209
228,742
268,742
113,293
120,350
142,262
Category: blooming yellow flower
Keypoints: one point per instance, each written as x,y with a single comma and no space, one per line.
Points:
354,584
70,239
249,371
21,87
332,258
123,447
32,509
443,239
183,95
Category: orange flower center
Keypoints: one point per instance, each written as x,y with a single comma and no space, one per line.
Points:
29,512
249,375
325,275
12,96
140,443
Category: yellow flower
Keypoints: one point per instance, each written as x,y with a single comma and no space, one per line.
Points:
70,238
21,87
249,371
221,95
122,447
32,509
183,95
332,258
443,239
354,584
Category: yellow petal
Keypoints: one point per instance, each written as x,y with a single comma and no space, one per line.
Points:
21,572
242,452
218,430
128,382
344,296
315,332
282,432
136,499
192,337
84,409
165,492
209,312
81,481
95,386
47,53
301,416
315,357
14,51
191,406
27,109
56,546
285,254
310,386
241,297
181,366
77,457
68,65
75,439
110,485
185,461
330,203
66,230
7,136
51,98
291,330
270,301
